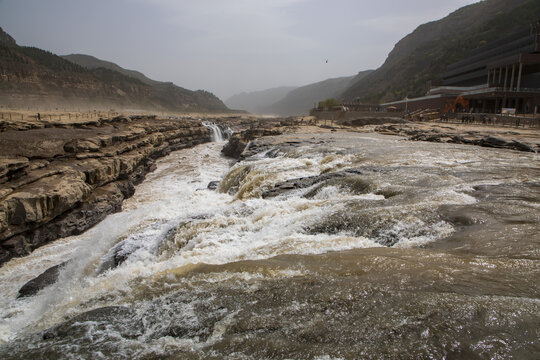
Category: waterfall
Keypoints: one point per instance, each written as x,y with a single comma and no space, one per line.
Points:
217,135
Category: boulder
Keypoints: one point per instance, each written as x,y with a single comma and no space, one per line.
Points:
119,320
213,185
234,147
48,277
305,182
491,141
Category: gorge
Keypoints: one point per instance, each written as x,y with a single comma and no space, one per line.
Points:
318,244
59,179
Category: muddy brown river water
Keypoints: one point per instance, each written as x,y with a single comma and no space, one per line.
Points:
317,246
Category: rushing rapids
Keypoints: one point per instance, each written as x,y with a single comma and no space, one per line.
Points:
316,246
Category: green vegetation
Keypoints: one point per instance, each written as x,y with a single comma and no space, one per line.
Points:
328,103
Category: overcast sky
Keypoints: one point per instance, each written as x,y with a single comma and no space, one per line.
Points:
224,46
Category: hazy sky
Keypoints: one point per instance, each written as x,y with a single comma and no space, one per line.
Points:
224,46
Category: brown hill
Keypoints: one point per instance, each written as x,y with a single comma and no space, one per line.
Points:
420,57
33,77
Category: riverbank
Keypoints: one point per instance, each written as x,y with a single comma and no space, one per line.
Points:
522,139
59,178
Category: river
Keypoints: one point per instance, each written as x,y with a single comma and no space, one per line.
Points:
413,250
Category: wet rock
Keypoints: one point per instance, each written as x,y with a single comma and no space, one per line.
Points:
373,121
240,142
491,141
305,182
451,135
121,252
47,278
115,257
98,322
234,147
272,154
89,169
213,185
516,145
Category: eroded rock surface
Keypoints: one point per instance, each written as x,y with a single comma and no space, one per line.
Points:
239,142
448,134
62,179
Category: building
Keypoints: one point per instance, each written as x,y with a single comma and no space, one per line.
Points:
503,74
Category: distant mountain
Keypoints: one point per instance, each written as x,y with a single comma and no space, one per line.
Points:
91,62
167,91
6,39
33,76
300,100
422,56
257,101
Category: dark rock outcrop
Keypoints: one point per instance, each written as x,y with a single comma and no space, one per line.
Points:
61,179
213,185
239,142
48,277
305,182
363,121
234,147
453,136
112,318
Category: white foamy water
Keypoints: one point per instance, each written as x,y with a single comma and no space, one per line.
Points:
218,229
217,135
174,221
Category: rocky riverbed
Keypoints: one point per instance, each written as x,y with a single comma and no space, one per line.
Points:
522,139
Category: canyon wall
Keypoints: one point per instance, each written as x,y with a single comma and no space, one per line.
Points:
59,179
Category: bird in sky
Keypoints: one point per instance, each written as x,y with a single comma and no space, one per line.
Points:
327,61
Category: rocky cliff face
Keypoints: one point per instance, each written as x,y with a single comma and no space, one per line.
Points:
60,179
423,55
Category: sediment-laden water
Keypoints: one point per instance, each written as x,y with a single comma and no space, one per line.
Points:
380,249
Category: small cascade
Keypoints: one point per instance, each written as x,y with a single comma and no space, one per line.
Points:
217,134
228,133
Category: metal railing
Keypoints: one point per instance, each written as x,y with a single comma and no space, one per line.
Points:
492,119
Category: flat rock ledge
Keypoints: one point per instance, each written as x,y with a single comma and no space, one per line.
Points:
447,134
60,180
